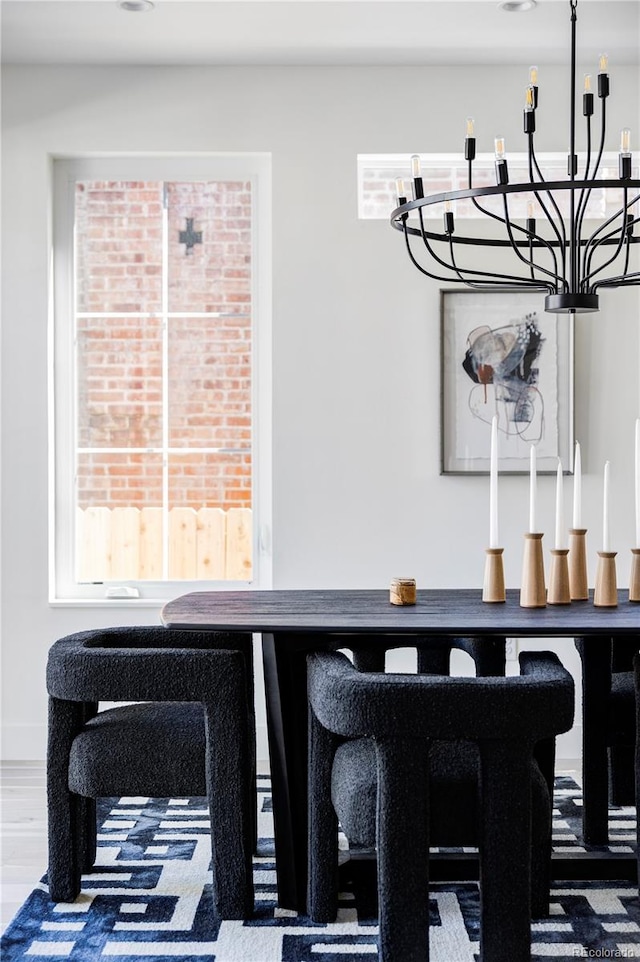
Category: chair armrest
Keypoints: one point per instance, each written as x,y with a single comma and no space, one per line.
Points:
535,705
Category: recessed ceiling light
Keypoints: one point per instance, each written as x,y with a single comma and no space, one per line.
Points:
136,6
517,6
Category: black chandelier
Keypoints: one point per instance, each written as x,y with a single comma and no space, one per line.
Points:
561,260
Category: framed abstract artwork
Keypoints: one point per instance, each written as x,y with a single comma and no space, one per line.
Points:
502,354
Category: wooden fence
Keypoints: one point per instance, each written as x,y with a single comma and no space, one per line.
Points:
126,544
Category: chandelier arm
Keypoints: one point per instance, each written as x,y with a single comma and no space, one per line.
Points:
561,238
603,128
452,267
628,280
525,260
425,235
560,234
488,285
592,243
492,280
582,203
532,282
627,257
559,277
585,284
623,236
422,269
603,131
501,220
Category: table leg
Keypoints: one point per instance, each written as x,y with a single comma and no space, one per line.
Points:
285,675
595,653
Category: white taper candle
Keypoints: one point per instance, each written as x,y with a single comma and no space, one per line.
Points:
577,488
532,489
606,539
493,485
637,482
559,507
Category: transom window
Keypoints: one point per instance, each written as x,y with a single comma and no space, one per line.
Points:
443,172
157,373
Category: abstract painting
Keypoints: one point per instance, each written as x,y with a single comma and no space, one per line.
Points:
502,355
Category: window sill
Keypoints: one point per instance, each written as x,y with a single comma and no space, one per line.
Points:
157,603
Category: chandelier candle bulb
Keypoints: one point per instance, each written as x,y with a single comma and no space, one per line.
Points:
502,171
469,140
532,490
559,507
418,189
530,223
448,217
624,157
493,485
587,97
533,85
529,116
400,191
603,76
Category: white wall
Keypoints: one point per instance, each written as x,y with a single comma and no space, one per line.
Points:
357,493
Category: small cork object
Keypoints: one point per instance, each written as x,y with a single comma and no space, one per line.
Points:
403,591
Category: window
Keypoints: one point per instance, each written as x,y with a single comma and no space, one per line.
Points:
160,375
444,172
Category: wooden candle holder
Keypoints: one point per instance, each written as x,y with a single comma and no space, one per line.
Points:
578,581
402,591
634,582
559,593
533,593
606,590
493,590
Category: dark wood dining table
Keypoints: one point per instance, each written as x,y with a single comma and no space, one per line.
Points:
295,622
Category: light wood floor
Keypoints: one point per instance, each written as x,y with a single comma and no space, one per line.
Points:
23,831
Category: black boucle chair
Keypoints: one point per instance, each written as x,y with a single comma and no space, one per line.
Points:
490,724
192,733
608,731
636,686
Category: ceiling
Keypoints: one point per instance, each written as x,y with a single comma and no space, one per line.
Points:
314,32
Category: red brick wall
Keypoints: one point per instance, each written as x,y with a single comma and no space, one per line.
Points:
119,264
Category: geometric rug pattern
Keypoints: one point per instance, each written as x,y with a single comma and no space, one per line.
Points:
149,898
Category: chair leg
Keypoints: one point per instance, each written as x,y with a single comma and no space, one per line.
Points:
505,852
622,789
63,806
595,653
322,885
87,826
541,859
229,787
402,820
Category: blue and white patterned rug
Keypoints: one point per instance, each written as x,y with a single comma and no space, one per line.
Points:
149,898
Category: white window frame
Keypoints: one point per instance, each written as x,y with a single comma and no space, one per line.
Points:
65,172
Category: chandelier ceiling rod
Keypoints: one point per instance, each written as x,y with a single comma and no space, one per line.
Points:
563,263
